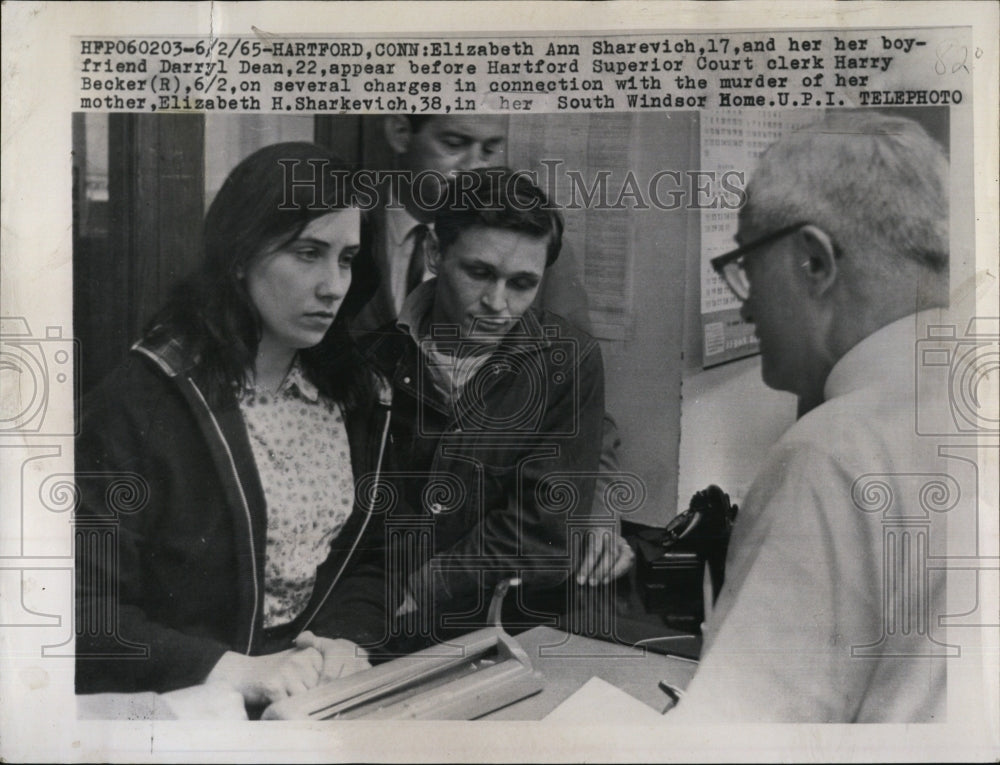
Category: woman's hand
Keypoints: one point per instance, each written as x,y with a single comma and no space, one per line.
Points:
340,657
269,678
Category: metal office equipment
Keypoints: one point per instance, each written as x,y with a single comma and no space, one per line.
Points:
459,680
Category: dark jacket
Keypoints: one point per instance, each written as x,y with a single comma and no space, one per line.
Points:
370,308
494,487
171,529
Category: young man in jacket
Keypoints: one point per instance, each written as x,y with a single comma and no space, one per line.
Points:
398,233
497,413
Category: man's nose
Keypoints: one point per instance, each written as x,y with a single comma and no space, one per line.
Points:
495,297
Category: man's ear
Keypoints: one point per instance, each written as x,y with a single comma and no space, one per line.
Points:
819,261
432,258
398,133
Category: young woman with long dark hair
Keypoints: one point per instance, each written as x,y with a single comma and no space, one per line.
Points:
243,420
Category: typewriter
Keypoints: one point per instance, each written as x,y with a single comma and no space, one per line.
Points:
463,679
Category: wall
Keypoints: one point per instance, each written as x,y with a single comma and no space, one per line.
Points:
229,140
729,419
643,353
644,370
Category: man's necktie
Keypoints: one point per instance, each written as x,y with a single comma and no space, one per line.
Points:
422,238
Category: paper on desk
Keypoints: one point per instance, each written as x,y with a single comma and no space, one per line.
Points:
601,702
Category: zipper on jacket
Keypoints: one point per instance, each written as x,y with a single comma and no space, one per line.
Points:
246,511
172,373
368,514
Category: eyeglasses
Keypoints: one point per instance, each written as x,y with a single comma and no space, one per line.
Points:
730,265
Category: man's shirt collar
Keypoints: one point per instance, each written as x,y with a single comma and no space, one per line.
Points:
416,311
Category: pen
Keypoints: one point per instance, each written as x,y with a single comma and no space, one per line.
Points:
679,657
670,654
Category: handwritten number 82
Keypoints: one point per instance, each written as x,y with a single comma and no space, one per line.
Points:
958,53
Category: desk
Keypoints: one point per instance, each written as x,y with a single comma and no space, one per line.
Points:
565,660
568,661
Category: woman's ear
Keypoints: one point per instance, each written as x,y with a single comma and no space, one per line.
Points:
398,133
819,262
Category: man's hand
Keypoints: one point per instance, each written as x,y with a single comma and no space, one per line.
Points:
606,557
408,606
340,657
269,678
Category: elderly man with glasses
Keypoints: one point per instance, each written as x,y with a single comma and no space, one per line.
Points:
825,615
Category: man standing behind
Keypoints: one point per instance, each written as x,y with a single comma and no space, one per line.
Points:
824,616
426,151
497,407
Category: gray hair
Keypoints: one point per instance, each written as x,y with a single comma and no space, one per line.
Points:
876,183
